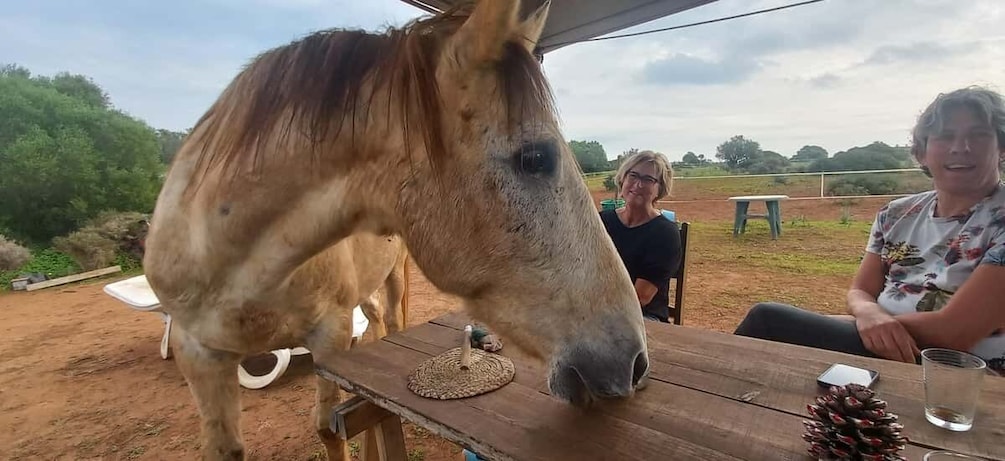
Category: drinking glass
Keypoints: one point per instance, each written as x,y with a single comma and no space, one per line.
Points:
952,384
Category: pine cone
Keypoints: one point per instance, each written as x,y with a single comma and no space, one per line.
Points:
850,423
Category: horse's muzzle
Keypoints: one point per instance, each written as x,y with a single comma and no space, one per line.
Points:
589,371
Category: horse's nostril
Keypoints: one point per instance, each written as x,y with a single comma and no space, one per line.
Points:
641,368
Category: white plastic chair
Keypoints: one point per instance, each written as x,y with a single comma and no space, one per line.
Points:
136,293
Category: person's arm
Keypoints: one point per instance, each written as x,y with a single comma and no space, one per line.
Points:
973,313
645,290
661,263
881,333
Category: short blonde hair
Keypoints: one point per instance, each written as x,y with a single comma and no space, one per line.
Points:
664,172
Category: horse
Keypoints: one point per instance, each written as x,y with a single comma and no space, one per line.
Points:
325,159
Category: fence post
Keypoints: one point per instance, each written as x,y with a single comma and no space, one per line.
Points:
821,185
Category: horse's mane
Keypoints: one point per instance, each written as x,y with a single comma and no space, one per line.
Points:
314,84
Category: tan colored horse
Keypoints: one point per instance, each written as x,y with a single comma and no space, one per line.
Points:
281,211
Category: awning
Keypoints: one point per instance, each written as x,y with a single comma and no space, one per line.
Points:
570,21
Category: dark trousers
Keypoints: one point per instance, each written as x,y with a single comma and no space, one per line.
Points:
792,325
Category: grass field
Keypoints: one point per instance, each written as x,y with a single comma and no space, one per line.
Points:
810,266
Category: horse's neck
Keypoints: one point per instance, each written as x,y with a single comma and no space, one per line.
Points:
256,232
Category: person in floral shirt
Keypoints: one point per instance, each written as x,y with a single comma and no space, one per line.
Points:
933,274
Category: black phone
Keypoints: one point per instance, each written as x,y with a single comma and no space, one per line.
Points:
840,374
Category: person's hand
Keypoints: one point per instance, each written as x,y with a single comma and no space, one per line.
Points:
886,337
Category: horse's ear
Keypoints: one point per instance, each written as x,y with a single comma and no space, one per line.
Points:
529,31
483,36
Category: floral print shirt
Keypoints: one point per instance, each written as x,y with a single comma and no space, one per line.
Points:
927,258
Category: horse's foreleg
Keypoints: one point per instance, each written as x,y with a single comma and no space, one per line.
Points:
212,378
327,339
328,396
394,291
371,309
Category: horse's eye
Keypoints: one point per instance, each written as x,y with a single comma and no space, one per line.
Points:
537,158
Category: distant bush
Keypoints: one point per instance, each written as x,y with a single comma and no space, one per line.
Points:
12,255
88,248
781,180
609,183
862,185
845,188
105,239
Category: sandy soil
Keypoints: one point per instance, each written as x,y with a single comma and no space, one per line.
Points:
81,376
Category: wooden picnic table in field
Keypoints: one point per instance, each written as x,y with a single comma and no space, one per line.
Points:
711,396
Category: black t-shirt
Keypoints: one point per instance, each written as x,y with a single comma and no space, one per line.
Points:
651,252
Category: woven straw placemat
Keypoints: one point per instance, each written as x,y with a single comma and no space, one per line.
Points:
441,377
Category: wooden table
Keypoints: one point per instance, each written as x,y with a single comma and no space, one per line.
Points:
712,396
774,215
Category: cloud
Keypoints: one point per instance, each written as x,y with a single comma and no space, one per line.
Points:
919,52
784,79
835,74
167,63
692,70
827,80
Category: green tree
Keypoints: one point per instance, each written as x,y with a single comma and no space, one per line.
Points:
690,159
66,155
81,88
875,156
809,154
590,155
169,142
616,163
738,152
765,162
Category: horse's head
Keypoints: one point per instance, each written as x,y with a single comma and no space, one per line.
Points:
502,217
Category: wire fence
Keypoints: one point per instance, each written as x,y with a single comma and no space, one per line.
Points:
850,184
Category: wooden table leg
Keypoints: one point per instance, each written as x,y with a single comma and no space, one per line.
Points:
369,451
385,442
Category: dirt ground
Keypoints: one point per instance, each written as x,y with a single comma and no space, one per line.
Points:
81,376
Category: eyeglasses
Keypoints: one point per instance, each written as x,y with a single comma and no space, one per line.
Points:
644,178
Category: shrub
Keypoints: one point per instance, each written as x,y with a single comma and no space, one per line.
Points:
109,238
50,262
843,189
12,255
863,185
88,248
609,183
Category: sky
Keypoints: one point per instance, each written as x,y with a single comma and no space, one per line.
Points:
838,73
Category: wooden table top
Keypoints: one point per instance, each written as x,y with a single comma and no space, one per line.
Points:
711,396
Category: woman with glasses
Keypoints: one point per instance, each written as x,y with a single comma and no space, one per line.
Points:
649,243
933,274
